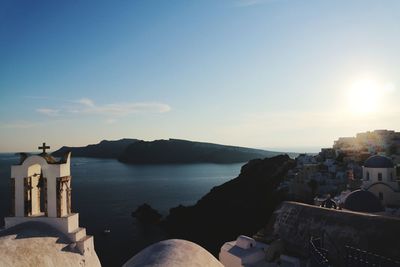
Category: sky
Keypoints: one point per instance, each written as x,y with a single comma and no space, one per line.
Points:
277,74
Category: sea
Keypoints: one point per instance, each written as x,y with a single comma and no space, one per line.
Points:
105,192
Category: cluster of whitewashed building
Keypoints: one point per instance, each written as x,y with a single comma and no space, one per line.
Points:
318,175
352,185
358,148
341,169
340,219
380,184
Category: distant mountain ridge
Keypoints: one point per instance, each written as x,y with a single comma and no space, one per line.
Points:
104,149
169,151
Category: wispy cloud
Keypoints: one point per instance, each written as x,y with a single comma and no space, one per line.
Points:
18,125
110,111
86,102
247,3
35,97
119,109
110,121
48,111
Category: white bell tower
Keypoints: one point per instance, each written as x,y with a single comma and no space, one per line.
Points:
41,186
41,191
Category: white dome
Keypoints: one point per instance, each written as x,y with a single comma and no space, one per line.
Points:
173,253
39,244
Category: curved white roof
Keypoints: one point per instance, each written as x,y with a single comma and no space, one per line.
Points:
39,244
173,253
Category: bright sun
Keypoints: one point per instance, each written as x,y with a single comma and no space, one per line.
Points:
364,96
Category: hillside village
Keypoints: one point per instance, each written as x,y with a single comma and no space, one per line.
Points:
345,209
337,171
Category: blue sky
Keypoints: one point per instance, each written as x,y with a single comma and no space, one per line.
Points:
272,74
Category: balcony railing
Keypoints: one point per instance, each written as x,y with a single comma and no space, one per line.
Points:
357,258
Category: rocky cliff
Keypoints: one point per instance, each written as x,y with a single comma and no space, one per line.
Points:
240,206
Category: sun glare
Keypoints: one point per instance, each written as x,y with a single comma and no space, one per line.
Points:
364,96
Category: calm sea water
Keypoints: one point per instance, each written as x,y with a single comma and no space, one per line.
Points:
105,192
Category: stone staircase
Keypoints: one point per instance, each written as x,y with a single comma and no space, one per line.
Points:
81,242
68,225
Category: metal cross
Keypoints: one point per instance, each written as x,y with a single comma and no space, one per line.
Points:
44,147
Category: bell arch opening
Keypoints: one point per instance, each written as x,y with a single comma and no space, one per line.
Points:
35,192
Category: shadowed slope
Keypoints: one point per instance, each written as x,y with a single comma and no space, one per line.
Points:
240,206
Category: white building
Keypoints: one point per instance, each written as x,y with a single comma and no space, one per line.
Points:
245,251
379,177
41,193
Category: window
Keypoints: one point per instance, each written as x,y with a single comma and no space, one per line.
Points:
380,196
367,178
379,176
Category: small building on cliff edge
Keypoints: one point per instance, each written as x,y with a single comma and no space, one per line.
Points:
379,178
41,229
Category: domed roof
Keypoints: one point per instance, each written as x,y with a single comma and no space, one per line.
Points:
363,201
39,244
378,161
173,253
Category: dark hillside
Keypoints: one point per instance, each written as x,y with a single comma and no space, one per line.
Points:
240,206
182,151
104,149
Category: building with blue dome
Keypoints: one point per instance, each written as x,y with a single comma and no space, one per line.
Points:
379,178
363,201
378,161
